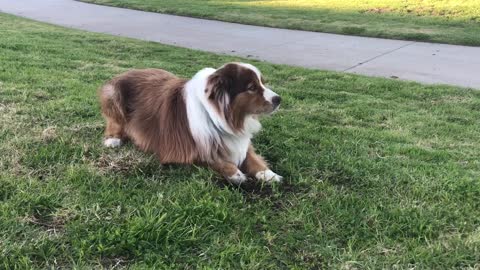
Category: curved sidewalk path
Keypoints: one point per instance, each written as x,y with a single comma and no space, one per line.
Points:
417,61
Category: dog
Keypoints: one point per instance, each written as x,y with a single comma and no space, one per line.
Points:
207,120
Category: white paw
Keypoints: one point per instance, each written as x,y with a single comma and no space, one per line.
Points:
112,142
268,176
237,178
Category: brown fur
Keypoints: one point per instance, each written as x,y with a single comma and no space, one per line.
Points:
148,107
253,162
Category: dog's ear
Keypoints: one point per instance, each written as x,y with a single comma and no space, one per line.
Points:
218,90
218,85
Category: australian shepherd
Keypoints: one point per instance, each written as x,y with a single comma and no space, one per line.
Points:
208,120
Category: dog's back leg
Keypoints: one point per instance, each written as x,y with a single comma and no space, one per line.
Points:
113,113
114,133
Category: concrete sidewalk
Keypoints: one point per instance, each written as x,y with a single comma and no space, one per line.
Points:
418,61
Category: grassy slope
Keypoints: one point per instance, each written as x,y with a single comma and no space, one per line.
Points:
445,21
378,172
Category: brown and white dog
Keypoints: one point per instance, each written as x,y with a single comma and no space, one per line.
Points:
208,120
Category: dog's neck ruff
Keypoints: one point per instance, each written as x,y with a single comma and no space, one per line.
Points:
209,129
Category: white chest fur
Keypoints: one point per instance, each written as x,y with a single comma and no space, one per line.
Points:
237,145
207,126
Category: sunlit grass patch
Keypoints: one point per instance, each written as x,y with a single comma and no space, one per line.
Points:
444,21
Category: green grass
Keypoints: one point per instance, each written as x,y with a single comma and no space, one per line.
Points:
444,21
379,173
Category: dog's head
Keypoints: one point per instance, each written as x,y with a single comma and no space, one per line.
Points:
237,90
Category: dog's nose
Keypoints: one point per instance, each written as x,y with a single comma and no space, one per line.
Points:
276,101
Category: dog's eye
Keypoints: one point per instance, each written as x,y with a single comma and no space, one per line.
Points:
251,88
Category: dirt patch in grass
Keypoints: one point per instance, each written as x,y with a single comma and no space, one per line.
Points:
378,10
124,161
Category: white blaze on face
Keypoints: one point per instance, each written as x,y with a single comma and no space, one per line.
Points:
268,94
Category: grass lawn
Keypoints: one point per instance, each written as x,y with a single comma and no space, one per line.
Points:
379,173
444,21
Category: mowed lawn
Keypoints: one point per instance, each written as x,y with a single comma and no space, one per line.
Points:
444,21
379,173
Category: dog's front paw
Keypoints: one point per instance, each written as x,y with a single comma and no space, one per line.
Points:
268,176
237,178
